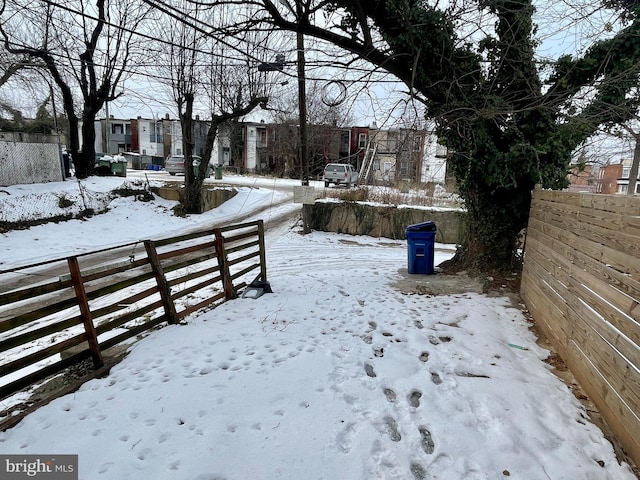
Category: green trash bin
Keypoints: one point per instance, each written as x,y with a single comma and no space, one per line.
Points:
119,168
103,167
196,169
218,172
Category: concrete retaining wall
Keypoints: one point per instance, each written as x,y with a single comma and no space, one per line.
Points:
211,198
385,221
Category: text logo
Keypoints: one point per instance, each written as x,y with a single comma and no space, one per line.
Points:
49,467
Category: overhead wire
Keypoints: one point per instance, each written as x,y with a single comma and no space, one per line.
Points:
359,74
241,59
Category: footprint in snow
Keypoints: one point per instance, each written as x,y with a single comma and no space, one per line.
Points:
426,441
435,378
344,440
392,428
368,368
390,394
414,398
418,471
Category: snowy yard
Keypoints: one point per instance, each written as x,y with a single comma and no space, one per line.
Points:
336,375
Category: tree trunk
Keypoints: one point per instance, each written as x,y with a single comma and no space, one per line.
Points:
85,159
495,219
633,173
192,187
74,142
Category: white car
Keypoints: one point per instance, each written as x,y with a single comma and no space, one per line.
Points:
339,174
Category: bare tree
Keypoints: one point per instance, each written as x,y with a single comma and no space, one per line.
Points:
214,74
11,65
85,48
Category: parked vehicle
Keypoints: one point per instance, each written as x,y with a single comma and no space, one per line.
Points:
339,174
175,164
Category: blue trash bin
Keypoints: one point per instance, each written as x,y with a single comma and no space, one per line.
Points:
421,239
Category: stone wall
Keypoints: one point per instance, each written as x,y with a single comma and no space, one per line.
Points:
385,221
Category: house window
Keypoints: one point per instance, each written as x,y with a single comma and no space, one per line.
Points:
362,140
117,128
417,144
626,172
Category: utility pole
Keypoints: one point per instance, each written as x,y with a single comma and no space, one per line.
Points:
302,99
302,105
278,65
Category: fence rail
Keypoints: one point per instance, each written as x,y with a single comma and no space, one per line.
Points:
581,282
58,313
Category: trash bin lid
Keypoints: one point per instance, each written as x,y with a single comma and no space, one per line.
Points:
422,227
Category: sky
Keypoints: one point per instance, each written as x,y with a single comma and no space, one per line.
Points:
338,374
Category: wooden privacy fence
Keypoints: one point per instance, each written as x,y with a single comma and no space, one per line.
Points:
581,282
57,313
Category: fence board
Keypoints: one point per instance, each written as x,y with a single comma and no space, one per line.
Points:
604,228
611,291
581,282
31,316
604,254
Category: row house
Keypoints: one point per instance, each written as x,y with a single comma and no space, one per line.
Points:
387,154
145,141
325,144
614,179
407,155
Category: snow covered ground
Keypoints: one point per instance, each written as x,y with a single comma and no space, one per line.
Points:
335,375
